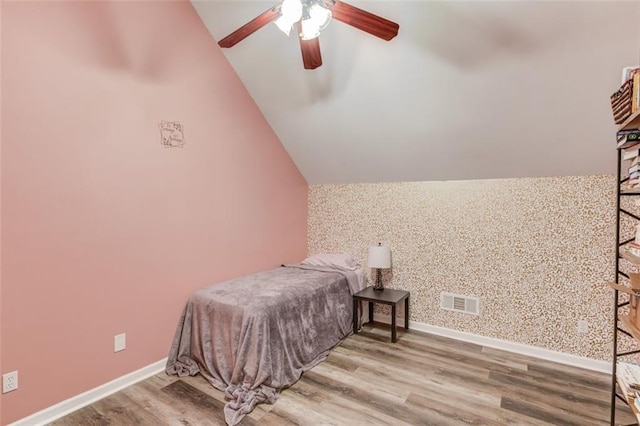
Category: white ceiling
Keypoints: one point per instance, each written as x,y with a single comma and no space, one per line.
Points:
467,90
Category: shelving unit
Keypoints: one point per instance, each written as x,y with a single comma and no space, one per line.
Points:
622,323
632,122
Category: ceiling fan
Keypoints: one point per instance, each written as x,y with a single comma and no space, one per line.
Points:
309,17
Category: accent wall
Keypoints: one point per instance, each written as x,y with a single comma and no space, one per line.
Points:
537,252
106,230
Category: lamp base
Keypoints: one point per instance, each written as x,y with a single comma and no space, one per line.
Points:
378,285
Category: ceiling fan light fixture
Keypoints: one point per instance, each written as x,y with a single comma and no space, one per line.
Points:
320,16
284,25
290,13
310,29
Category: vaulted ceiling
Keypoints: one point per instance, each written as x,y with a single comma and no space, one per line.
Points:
467,90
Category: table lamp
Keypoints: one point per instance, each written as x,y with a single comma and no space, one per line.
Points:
379,258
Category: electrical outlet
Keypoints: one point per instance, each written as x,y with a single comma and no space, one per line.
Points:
583,326
120,342
9,382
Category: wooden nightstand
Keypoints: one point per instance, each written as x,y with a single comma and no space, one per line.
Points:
388,296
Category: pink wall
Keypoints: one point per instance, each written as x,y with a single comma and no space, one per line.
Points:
104,230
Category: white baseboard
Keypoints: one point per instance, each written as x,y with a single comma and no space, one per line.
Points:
75,403
520,348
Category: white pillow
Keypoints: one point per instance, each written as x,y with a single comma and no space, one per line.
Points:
343,261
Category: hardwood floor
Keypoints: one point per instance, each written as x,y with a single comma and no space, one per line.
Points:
420,380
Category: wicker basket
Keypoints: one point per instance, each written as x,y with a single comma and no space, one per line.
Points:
621,102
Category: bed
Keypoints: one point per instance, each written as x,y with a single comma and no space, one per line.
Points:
255,335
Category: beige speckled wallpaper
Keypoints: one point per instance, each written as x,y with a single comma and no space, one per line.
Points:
536,251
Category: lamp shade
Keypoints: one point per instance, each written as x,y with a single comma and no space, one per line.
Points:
379,257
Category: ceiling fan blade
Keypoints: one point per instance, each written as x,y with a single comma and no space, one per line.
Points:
249,28
311,56
365,21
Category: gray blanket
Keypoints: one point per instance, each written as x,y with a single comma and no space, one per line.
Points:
252,336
